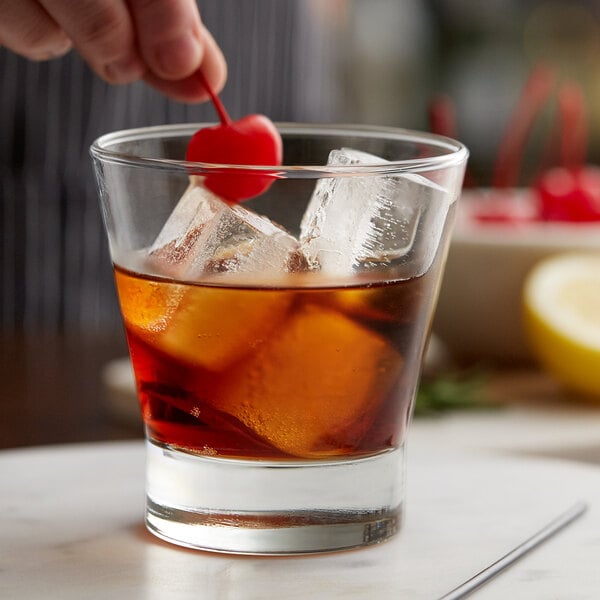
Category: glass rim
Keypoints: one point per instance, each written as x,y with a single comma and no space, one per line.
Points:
452,152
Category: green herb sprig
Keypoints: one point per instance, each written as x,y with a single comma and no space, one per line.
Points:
452,392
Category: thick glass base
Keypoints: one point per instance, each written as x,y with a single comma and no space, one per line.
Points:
266,507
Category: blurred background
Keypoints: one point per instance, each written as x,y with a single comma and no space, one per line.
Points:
360,61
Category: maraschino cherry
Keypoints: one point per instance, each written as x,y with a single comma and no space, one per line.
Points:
567,192
570,191
570,194
253,140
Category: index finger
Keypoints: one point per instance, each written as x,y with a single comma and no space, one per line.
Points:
190,89
169,37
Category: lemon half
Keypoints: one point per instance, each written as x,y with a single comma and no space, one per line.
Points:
562,319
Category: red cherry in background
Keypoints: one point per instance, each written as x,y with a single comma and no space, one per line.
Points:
252,140
569,194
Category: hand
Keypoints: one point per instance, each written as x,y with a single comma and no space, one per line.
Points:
163,42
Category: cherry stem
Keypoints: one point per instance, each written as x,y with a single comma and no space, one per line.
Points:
510,154
223,114
574,127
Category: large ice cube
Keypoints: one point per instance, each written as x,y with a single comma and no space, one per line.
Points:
354,223
335,376
206,235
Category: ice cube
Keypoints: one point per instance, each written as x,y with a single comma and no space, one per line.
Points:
336,375
205,235
175,247
355,223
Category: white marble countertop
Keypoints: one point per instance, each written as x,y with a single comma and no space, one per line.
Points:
478,484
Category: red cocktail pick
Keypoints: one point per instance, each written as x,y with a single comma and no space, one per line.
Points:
535,94
253,140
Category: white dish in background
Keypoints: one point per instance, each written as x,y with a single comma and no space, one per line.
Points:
479,310
120,391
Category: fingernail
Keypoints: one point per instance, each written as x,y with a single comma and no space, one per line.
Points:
178,58
124,70
61,48
53,50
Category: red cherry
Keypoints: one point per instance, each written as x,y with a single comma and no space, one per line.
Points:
570,194
253,140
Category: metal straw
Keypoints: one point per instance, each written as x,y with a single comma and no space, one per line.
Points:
481,578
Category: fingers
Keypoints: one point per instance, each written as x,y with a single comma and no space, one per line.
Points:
169,36
162,41
175,44
27,29
102,31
